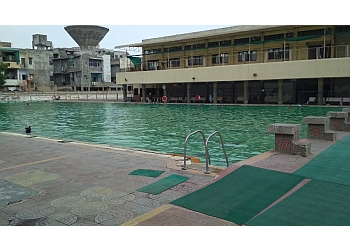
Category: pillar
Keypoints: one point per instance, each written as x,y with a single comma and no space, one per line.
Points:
144,94
245,91
188,92
215,92
164,91
320,91
125,86
280,91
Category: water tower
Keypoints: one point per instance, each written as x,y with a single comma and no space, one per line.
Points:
87,36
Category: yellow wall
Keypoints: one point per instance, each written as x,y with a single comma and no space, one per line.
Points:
326,68
12,65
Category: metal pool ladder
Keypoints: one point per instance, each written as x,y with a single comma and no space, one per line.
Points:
207,158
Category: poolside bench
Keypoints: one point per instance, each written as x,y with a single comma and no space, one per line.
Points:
173,99
240,99
334,100
311,100
346,100
287,139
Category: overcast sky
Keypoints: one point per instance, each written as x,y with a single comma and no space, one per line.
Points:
131,21
21,35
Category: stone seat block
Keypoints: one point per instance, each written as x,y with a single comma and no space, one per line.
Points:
302,148
337,115
330,136
281,128
316,120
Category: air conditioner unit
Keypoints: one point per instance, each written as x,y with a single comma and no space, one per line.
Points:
92,83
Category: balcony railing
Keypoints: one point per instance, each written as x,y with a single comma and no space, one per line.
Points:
243,57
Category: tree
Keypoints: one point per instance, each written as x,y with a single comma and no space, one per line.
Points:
3,67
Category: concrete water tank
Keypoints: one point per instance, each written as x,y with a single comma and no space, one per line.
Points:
87,36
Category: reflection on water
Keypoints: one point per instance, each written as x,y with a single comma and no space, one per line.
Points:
158,127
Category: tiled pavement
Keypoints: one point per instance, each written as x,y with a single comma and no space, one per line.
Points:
65,184
46,182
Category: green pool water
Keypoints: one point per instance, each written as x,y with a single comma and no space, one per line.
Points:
158,127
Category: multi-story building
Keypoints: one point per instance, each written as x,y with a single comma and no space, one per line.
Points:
75,70
82,72
29,69
248,64
10,57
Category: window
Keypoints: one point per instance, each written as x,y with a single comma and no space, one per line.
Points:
219,59
219,43
174,49
255,39
152,51
213,44
174,62
153,65
225,43
92,63
278,53
241,41
30,60
340,29
274,37
311,32
289,35
71,62
198,46
188,47
245,56
195,60
166,49
23,61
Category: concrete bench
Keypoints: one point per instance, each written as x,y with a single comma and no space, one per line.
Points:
317,128
240,99
287,139
173,99
334,100
311,100
338,121
346,100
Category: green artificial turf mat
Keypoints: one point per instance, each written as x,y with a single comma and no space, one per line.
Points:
147,172
331,165
318,203
240,195
163,184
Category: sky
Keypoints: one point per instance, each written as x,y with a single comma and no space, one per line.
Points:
132,21
21,35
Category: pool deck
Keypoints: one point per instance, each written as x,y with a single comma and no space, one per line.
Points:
60,183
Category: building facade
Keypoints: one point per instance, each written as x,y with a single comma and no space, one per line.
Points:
10,57
29,69
247,64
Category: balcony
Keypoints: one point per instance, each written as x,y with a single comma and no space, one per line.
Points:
300,63
12,65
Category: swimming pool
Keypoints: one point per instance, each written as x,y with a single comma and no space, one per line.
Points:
158,127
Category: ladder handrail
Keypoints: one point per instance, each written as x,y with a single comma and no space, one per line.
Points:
197,131
207,151
207,158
